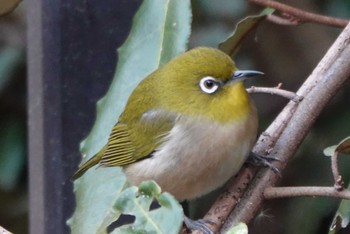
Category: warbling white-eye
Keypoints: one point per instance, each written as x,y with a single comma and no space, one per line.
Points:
189,125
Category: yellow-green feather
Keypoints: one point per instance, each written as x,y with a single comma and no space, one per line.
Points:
120,149
88,164
167,93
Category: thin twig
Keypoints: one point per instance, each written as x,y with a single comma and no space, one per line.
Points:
300,15
312,191
275,91
338,181
282,21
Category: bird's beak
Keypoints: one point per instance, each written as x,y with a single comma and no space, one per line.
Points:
242,74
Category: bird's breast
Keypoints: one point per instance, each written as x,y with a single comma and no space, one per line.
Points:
197,156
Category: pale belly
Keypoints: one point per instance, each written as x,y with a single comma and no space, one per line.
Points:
197,157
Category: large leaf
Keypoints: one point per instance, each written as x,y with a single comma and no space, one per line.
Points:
342,147
10,58
12,153
341,218
95,194
166,219
231,45
159,32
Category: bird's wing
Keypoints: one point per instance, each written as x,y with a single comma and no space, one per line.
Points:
135,141
120,149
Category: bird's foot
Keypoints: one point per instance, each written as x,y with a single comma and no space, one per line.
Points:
263,161
198,225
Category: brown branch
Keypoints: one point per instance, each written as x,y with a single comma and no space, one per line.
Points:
275,91
283,137
286,133
227,201
299,16
282,21
313,191
338,181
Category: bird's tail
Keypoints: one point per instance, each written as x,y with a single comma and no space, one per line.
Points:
87,165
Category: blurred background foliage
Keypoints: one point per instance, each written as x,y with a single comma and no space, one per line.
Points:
286,54
13,129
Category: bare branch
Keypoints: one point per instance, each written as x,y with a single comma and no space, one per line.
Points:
312,191
227,201
275,91
338,181
298,16
287,131
283,21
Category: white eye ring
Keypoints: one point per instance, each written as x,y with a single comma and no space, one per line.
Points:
209,84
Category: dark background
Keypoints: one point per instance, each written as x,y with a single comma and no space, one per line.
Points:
51,79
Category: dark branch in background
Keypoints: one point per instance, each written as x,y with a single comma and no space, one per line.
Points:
282,138
295,16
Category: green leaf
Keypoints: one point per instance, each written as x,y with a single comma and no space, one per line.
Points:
231,45
240,228
159,32
341,218
329,151
6,6
166,219
12,153
342,147
10,58
96,192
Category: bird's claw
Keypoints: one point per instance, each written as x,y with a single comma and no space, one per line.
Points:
198,225
263,161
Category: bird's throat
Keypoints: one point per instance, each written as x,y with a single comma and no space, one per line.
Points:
233,105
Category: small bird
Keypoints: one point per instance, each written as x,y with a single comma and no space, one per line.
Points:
189,125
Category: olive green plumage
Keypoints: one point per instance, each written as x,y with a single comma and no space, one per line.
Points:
197,85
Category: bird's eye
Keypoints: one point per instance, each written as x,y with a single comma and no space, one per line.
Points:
209,84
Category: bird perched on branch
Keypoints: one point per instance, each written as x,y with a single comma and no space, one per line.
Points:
189,125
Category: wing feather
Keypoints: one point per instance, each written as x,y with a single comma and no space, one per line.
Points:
130,142
120,149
